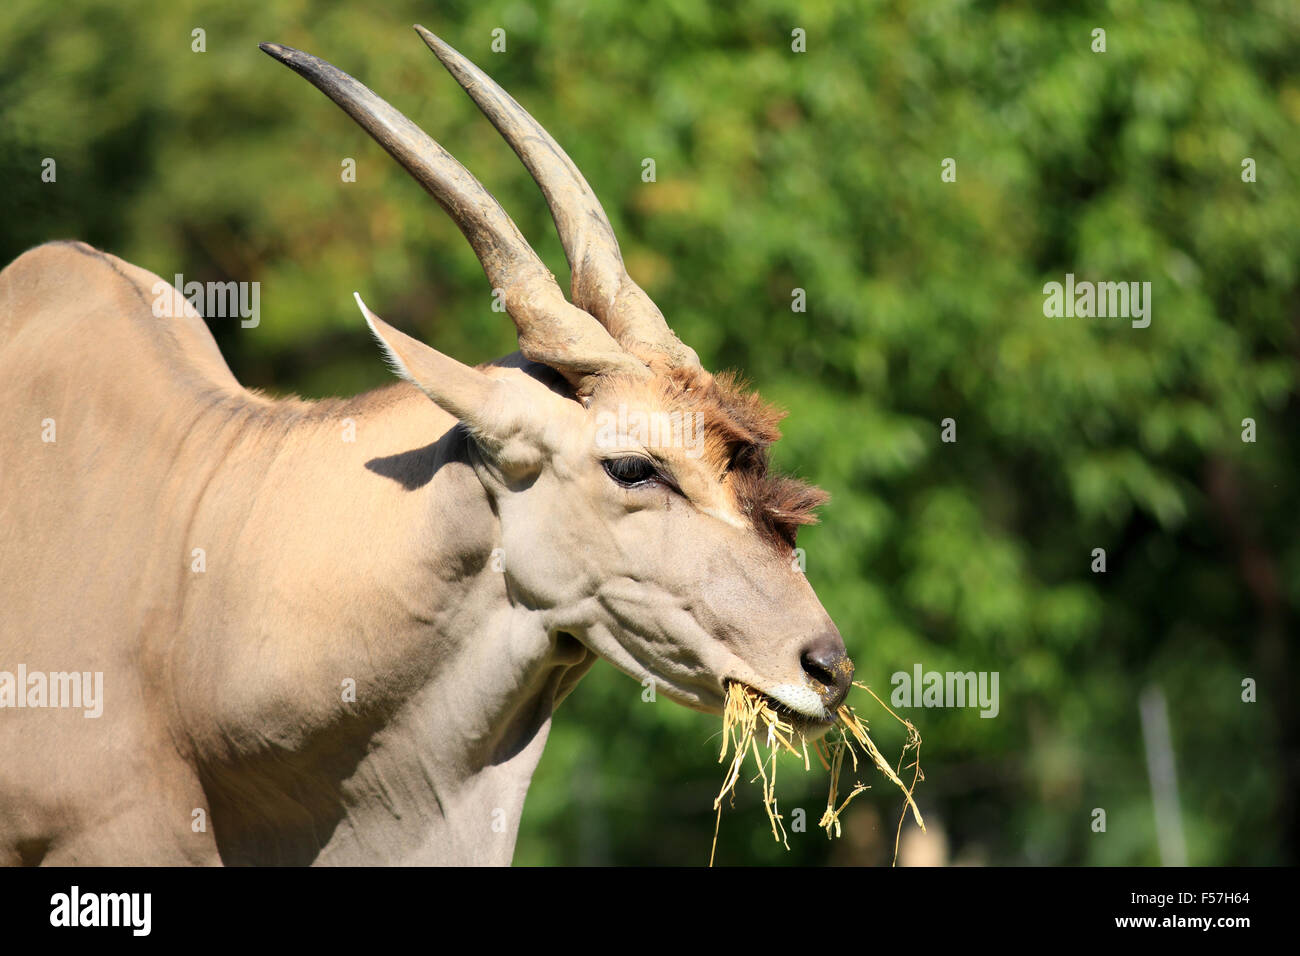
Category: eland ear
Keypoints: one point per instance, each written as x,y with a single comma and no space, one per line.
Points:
496,412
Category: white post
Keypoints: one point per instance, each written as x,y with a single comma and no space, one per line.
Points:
1164,779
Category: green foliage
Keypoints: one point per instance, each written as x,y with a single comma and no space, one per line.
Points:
821,171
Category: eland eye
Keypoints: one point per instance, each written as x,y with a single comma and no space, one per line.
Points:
630,470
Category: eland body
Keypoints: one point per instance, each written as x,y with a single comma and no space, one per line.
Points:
319,650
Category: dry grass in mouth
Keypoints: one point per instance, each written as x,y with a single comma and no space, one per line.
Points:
748,716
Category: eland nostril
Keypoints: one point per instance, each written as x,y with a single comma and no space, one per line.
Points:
827,664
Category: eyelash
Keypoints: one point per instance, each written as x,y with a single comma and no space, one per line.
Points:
643,473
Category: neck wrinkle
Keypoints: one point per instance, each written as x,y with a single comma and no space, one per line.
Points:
449,786
371,560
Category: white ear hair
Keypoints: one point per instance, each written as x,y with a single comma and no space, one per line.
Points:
463,391
497,412
391,358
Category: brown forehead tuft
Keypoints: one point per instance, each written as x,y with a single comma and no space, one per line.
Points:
738,428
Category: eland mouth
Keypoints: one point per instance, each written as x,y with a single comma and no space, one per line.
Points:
801,707
811,706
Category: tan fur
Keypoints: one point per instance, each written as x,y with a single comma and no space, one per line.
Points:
739,427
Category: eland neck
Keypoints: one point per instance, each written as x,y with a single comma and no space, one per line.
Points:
378,695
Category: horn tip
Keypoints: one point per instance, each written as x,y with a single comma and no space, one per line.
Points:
277,51
431,39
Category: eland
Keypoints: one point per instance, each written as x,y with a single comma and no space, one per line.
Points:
335,632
